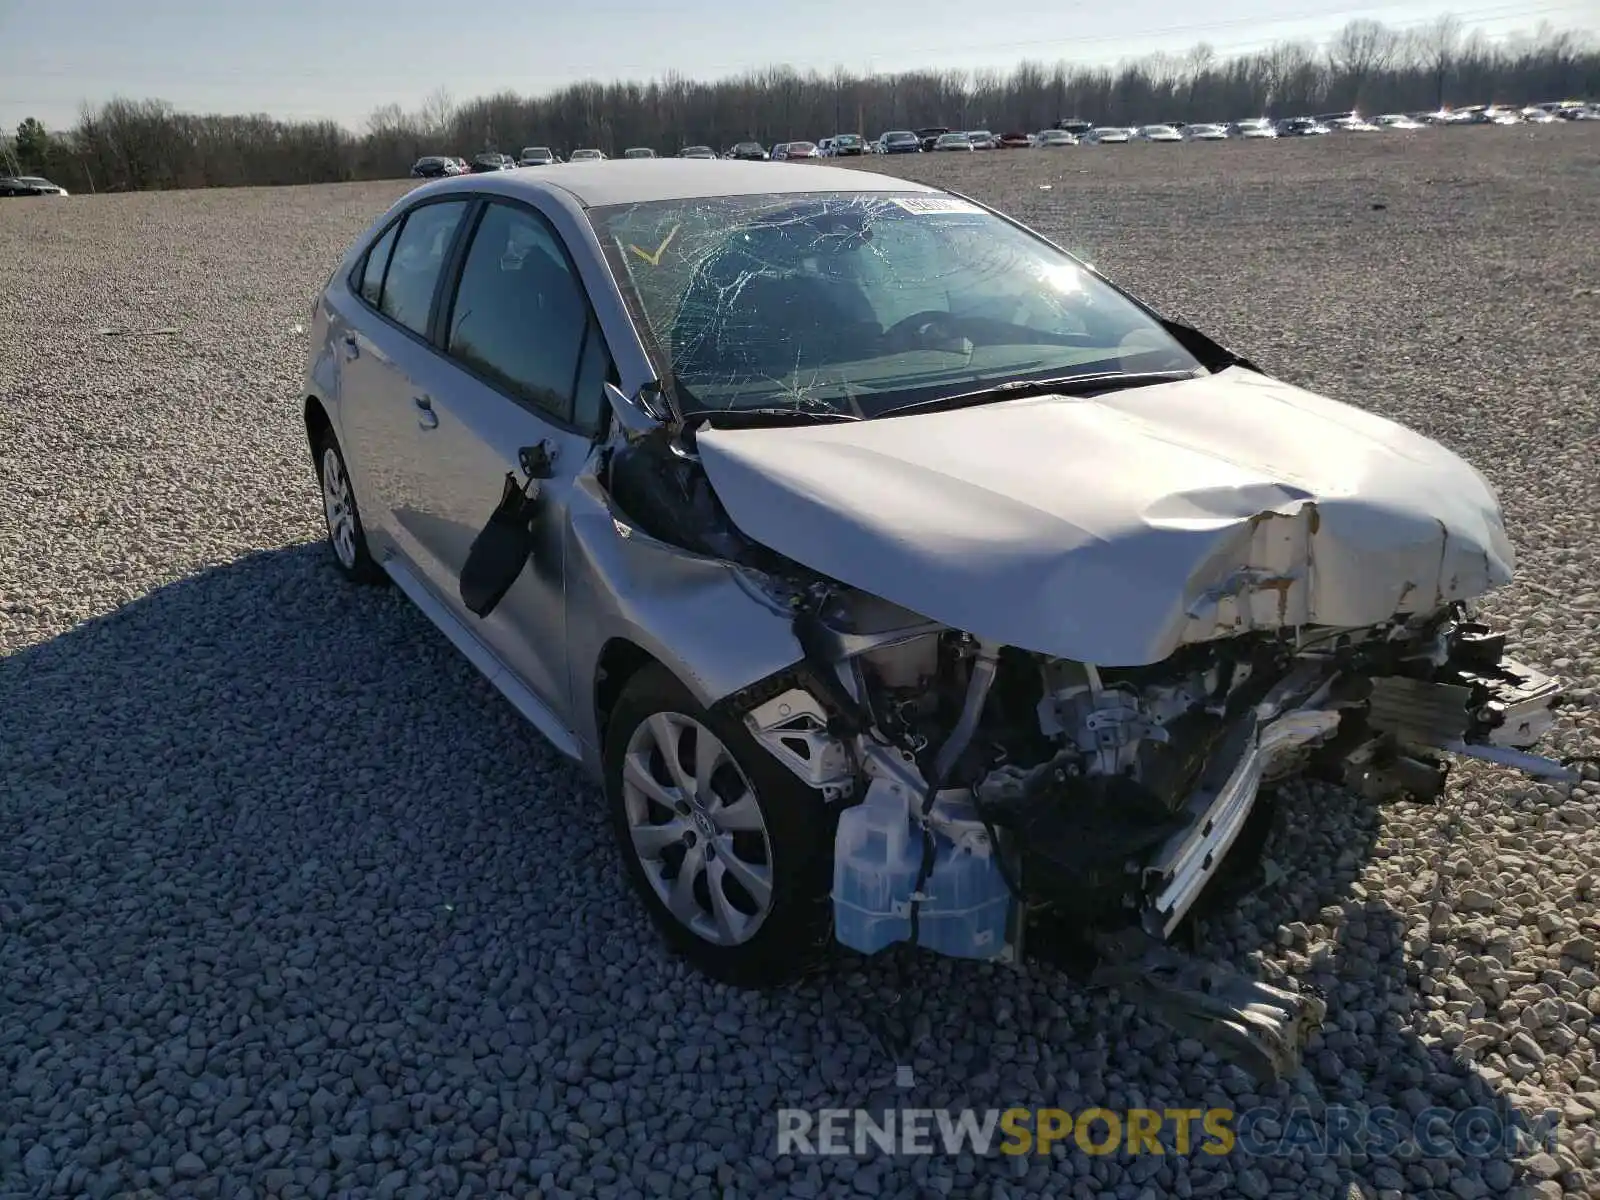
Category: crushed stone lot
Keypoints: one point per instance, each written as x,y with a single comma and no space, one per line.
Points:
292,903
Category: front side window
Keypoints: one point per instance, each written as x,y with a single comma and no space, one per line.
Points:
418,258
862,303
520,316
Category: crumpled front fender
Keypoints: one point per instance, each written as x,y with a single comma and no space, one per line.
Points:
698,616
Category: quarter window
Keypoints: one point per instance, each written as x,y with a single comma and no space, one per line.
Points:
520,314
376,262
418,257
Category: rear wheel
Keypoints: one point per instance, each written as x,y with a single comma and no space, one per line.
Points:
346,536
731,854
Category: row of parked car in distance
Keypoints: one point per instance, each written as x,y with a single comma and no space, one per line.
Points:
1070,133
938,138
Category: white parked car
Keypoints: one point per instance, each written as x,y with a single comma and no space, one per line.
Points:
1206,133
1159,133
1102,135
1050,139
1256,127
586,156
536,156
1397,121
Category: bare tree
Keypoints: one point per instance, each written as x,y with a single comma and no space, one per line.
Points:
1290,69
1437,45
437,113
1358,51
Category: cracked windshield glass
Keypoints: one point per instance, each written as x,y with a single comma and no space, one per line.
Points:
861,304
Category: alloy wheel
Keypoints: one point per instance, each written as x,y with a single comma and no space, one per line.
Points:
697,828
337,507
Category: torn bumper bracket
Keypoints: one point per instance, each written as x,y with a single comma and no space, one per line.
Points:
1261,1027
1495,713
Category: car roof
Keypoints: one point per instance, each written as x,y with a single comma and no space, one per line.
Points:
641,180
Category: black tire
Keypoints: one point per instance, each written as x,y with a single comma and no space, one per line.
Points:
794,935
361,567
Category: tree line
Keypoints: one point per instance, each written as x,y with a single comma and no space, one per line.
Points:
125,144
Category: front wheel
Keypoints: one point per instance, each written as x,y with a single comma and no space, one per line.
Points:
731,854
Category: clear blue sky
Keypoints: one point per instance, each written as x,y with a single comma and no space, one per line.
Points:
341,59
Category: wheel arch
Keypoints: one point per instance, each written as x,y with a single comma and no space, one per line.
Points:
317,422
619,661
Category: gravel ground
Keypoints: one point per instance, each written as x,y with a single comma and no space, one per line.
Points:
291,903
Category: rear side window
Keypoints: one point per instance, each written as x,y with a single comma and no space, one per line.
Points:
377,262
418,257
520,314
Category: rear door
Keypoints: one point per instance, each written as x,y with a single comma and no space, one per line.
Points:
384,352
523,365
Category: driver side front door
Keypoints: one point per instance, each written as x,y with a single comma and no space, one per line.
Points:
522,367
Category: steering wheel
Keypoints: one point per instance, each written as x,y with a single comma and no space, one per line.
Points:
929,327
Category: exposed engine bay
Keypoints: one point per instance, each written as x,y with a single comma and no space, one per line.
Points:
1109,795
985,787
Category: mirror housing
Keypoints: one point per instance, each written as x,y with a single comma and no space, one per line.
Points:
502,548
634,415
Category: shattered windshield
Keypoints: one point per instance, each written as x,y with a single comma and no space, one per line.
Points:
862,302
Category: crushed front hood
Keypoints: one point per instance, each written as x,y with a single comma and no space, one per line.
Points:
1112,530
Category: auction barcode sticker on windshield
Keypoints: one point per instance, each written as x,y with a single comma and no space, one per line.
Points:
935,205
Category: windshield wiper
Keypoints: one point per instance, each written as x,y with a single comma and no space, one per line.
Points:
1065,385
746,417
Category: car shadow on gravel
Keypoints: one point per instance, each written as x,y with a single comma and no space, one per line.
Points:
290,897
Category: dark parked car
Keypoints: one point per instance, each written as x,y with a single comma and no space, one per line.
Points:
485,163
697,152
29,185
1301,127
1076,126
748,152
930,134
1015,141
434,167
900,141
847,144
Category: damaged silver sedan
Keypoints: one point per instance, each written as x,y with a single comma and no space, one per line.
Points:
902,578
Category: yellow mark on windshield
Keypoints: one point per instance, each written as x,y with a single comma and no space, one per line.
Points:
655,259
